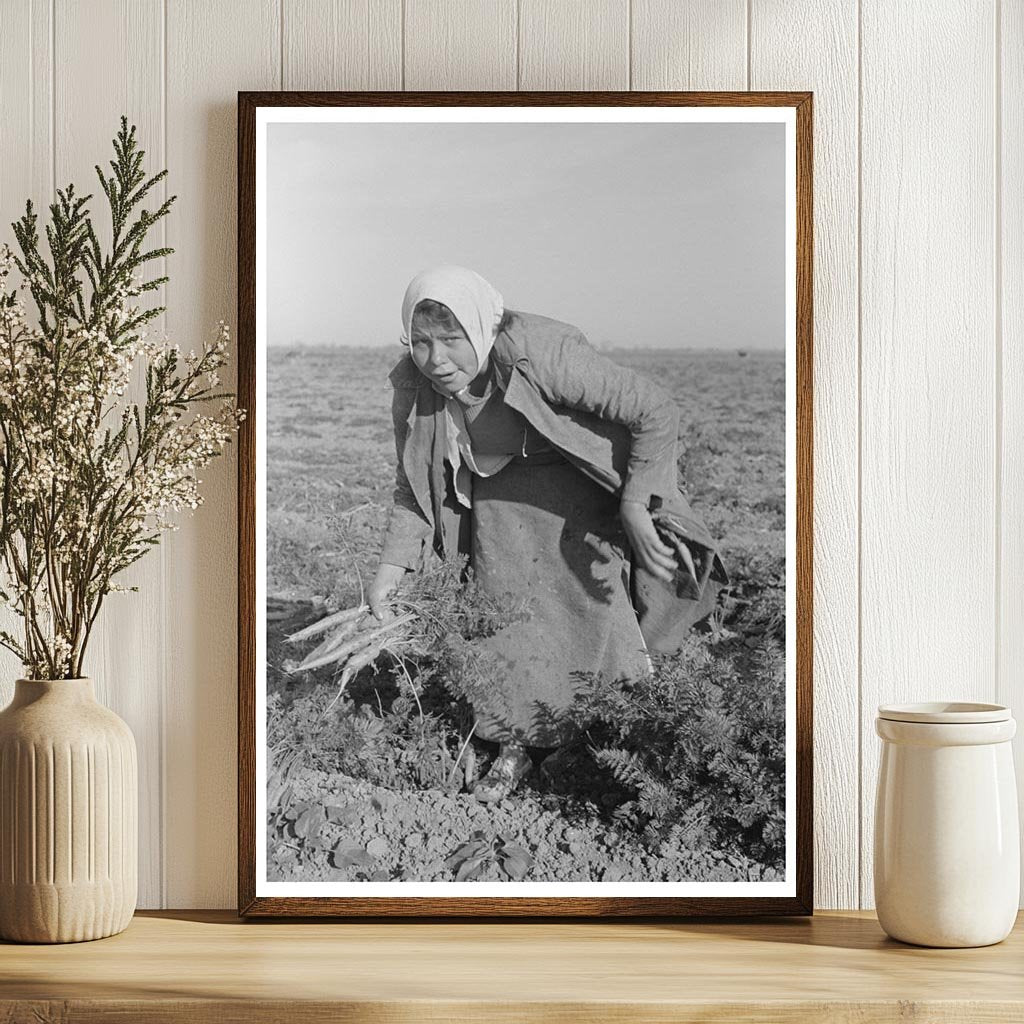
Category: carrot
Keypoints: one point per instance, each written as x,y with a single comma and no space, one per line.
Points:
366,657
333,640
352,647
337,619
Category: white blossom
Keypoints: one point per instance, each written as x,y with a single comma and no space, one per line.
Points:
78,496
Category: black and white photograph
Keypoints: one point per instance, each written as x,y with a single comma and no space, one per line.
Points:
525,512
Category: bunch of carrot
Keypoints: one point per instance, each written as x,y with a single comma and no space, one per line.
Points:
354,639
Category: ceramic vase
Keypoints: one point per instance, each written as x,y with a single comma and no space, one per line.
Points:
947,846
68,815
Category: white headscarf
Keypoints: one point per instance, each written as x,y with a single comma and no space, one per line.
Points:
476,304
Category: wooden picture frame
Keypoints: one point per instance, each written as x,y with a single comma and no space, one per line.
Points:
794,895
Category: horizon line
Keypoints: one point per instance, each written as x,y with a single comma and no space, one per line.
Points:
394,346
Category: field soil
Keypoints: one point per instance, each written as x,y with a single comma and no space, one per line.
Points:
330,459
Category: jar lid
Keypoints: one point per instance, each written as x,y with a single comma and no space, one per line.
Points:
944,712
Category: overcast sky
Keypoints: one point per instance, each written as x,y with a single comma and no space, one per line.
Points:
661,235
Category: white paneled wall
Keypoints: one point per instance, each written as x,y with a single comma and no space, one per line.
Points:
919,324
831,72
1009,319
928,344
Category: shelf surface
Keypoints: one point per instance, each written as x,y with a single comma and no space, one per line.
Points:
200,966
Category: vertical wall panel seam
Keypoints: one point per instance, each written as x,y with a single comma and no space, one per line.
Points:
750,71
31,90
519,42
860,461
689,46
403,45
997,170
53,99
162,696
280,40
629,43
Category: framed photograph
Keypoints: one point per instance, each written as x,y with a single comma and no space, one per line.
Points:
525,493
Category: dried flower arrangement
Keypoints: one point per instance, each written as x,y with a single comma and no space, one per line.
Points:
88,478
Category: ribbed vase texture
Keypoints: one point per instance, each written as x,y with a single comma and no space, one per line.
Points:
68,815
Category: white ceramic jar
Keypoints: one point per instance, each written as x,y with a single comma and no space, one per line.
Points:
947,846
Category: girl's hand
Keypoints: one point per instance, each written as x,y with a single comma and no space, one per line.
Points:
384,584
651,552
683,552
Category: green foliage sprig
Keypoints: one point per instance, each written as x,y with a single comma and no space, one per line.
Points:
88,479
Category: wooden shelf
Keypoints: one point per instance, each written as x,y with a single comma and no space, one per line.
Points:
199,966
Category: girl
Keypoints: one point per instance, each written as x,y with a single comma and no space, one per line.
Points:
554,471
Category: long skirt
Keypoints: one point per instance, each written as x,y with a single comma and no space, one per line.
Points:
544,532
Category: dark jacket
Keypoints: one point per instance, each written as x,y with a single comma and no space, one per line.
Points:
612,424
